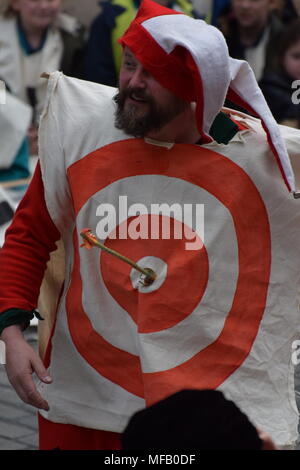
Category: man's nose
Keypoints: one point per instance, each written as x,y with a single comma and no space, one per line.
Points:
138,78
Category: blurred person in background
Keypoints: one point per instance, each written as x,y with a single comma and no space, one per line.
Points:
84,10
214,9
35,37
288,10
277,86
15,119
252,31
104,54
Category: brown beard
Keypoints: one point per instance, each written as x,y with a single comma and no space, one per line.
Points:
153,119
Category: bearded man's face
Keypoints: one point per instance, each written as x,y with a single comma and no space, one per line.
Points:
143,105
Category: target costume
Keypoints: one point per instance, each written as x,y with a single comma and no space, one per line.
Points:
223,316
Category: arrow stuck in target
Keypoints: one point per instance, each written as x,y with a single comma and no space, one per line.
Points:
90,240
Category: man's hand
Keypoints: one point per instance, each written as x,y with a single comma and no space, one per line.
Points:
21,362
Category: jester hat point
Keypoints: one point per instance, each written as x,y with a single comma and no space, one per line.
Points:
190,58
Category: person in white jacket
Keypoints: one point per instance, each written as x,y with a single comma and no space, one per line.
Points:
36,37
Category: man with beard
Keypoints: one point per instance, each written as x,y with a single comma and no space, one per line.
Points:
146,108
210,317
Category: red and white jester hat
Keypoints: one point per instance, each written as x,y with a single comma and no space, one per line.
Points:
190,58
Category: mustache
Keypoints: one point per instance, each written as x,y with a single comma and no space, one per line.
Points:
131,92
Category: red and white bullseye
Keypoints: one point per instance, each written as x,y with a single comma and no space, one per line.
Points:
160,268
167,339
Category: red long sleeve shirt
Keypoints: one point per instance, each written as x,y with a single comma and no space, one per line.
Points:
29,241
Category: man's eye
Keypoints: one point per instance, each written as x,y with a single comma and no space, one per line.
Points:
129,65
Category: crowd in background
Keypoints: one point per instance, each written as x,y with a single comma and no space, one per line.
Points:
80,39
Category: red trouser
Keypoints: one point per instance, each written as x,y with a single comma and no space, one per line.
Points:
69,437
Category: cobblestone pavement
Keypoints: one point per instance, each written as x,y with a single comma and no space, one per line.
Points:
18,421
